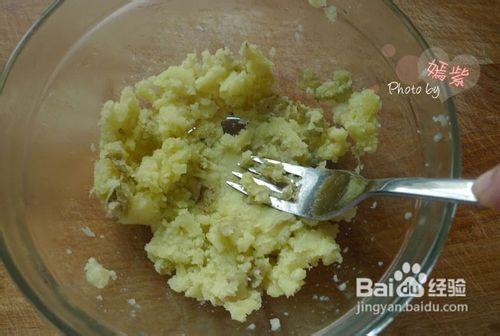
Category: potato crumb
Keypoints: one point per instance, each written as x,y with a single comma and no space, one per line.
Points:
438,136
88,232
251,326
331,13
408,215
317,3
133,303
97,275
441,119
342,287
272,52
275,324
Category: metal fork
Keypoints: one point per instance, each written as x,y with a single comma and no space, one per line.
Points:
323,194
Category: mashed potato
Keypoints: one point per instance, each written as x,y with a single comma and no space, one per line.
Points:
164,160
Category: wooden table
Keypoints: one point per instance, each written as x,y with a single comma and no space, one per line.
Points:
472,250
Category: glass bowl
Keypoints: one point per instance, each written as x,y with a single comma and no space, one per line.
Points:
82,53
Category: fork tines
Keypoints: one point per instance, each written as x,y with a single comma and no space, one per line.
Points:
274,201
289,168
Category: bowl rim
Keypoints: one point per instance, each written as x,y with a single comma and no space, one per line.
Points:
378,323
383,320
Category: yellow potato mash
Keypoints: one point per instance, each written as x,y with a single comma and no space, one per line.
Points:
164,159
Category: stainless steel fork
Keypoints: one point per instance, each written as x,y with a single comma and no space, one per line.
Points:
323,194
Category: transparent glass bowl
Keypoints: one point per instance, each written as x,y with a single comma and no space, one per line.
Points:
80,54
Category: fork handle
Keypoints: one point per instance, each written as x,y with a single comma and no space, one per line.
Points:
450,190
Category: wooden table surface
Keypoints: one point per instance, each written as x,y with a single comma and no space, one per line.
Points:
472,250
